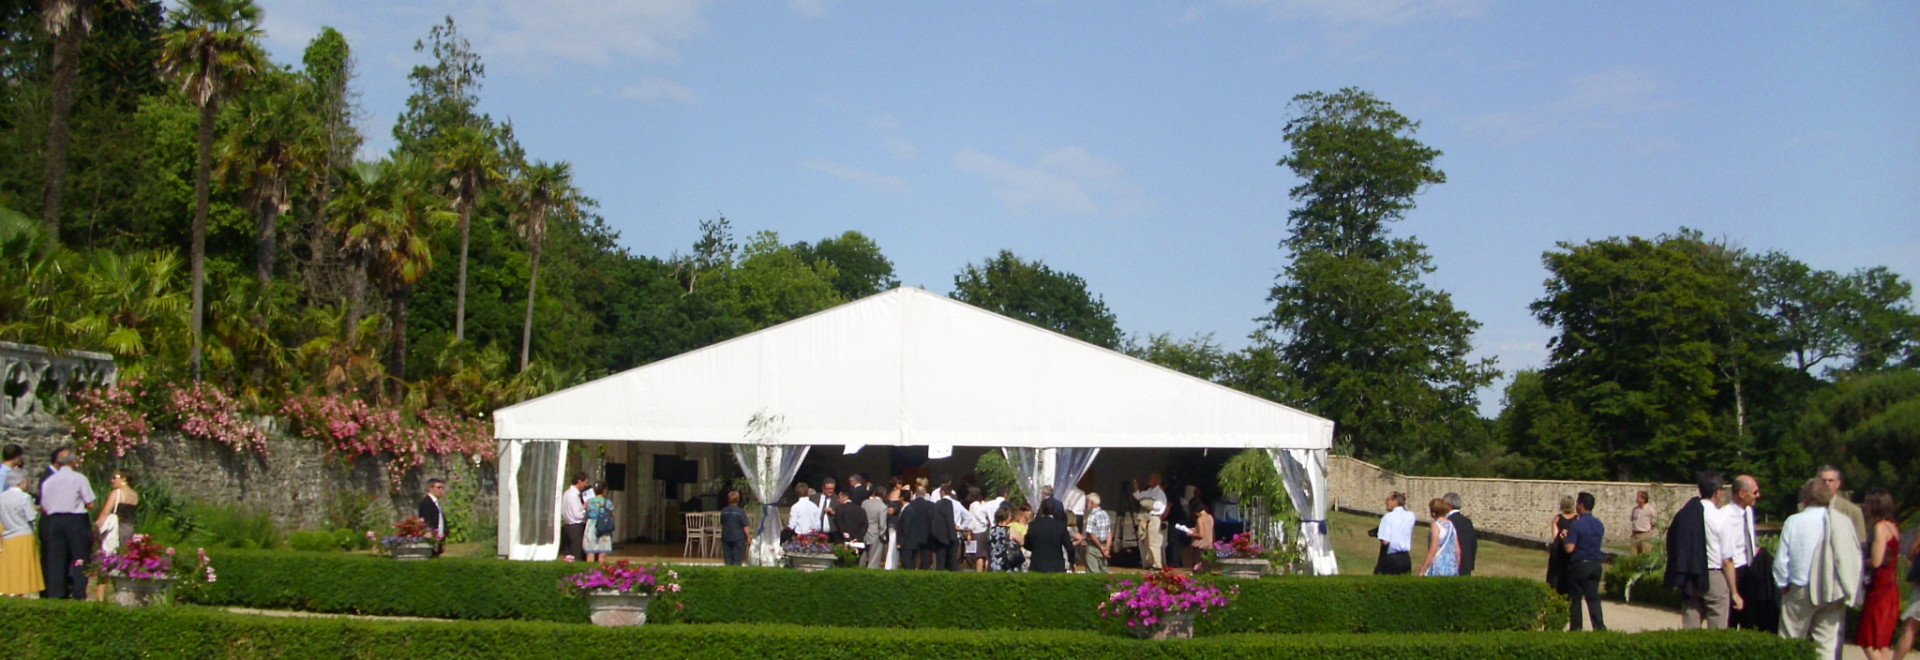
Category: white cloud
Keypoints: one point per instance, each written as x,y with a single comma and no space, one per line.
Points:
1618,90
850,173
596,32
655,88
1065,181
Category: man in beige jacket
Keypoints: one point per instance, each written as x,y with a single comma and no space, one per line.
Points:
1817,568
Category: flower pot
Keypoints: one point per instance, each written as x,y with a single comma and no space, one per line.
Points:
1243,568
1173,625
808,562
141,592
617,608
413,551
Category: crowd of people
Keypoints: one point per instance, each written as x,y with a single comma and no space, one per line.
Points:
1832,555
48,534
935,524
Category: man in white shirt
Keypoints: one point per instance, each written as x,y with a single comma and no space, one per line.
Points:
1396,537
1819,583
1736,540
1713,607
804,517
1153,536
573,519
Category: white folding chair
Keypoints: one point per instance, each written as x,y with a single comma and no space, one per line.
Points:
696,544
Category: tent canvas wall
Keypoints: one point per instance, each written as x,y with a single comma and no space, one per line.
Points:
906,367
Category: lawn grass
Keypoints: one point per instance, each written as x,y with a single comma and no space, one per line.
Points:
1357,551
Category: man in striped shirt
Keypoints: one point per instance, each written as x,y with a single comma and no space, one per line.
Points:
1099,535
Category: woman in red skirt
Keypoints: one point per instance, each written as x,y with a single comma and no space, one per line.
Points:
1881,615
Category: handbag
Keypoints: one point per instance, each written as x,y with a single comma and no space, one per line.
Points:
109,530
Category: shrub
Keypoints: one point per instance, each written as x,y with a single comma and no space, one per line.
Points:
232,526
495,589
48,629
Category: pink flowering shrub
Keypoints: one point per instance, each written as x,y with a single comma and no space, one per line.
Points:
143,558
1161,594
350,427
207,413
108,419
639,579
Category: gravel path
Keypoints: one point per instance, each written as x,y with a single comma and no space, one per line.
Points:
1636,618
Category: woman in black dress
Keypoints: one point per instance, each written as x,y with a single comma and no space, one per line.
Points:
1556,545
1049,539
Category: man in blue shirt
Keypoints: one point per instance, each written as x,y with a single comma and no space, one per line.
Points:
1583,563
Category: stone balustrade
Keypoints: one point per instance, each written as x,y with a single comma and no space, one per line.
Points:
35,381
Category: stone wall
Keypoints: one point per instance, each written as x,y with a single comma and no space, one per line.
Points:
1519,509
295,480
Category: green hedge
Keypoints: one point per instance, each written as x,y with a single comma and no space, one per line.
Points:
96,630
453,588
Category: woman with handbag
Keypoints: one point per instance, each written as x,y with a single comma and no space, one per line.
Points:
598,541
116,518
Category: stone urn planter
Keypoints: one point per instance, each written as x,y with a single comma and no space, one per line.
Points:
1177,625
413,551
807,562
612,608
1243,568
141,592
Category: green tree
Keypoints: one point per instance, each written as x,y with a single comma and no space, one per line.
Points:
544,193
474,164
773,284
329,74
1861,318
266,155
1647,330
1032,292
211,48
1552,434
410,212
1197,356
68,21
1869,424
1356,335
863,270
445,93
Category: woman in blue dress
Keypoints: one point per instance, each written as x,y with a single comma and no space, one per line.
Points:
1443,545
599,508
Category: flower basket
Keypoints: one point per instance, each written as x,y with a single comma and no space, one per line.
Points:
809,562
618,594
141,592
1165,605
144,572
1250,569
412,540
612,607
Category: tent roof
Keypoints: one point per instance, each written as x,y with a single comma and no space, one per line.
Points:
909,367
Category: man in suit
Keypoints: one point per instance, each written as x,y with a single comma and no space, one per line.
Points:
430,512
1692,537
1463,530
875,507
940,533
858,489
849,519
916,521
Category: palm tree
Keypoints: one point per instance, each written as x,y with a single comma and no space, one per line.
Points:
474,163
351,210
210,49
266,156
409,216
545,191
68,21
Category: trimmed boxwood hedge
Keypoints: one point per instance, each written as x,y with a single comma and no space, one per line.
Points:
96,630
453,588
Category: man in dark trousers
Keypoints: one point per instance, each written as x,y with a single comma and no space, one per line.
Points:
940,534
916,520
1688,571
1584,570
66,538
431,514
573,519
1463,530
849,520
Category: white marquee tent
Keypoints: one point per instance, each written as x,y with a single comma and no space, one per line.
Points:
906,367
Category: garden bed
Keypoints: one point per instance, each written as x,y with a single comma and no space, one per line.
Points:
48,629
484,589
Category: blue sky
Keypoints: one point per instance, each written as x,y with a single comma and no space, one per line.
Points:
1134,143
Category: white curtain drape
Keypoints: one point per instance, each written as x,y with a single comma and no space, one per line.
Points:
1027,464
1070,464
1305,472
530,485
770,469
